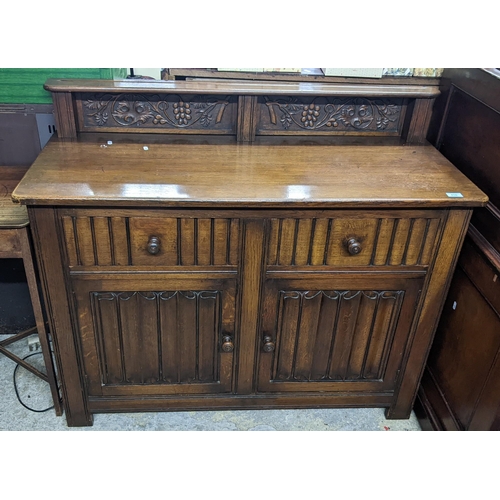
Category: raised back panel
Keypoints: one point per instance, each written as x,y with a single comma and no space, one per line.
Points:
243,108
282,115
156,113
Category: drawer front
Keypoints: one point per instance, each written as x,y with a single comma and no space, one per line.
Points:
341,238
150,241
356,239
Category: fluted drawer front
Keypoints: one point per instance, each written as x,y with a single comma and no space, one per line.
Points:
360,239
151,241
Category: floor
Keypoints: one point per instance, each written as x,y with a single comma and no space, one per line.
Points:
35,394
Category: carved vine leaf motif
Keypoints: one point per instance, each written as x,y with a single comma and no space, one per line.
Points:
348,113
128,110
205,119
98,107
388,113
101,118
90,104
286,121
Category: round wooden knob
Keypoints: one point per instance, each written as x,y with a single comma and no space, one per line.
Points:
153,245
353,246
269,345
227,344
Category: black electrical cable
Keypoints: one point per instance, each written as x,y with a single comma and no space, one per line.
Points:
17,392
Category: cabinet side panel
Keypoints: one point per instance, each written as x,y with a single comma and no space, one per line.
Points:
51,264
434,294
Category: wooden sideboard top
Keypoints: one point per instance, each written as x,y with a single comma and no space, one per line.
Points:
191,173
235,87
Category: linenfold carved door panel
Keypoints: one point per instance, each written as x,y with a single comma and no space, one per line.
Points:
334,334
156,335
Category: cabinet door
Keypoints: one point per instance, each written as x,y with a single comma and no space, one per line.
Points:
156,334
344,333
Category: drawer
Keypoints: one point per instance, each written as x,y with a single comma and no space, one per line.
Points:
97,240
356,238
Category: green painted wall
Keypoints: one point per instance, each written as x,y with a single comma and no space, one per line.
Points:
25,86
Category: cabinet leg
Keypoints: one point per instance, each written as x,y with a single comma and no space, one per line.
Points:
79,420
395,413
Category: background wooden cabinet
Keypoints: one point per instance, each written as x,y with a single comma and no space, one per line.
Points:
460,388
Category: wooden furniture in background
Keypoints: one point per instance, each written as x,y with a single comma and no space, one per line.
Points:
15,244
460,388
205,273
308,75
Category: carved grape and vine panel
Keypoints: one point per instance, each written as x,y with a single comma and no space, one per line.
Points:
325,114
155,111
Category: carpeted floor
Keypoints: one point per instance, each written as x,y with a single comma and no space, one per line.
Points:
35,394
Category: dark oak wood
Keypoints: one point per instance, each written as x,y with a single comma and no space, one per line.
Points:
421,117
434,294
239,88
207,273
460,388
247,121
476,154
15,242
242,108
65,114
253,175
60,316
461,377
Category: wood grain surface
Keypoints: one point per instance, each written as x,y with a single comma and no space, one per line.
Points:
232,175
235,87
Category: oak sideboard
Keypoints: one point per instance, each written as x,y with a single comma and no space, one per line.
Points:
225,245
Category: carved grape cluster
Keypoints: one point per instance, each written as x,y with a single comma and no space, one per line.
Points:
182,112
310,115
159,119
